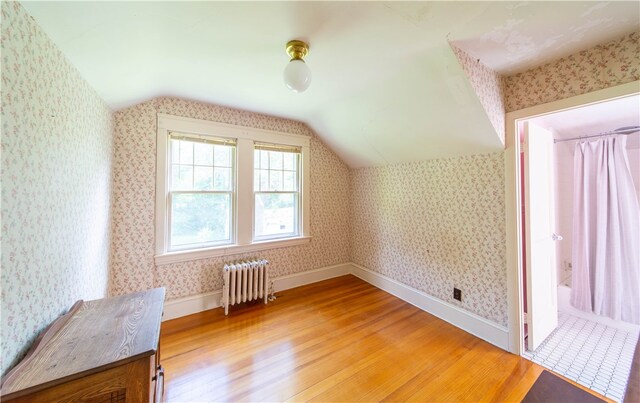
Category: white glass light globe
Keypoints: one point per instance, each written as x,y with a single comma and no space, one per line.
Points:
297,76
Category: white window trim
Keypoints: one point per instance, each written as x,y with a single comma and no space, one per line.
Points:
244,214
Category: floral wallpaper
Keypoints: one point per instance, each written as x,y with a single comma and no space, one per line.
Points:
488,86
434,225
603,66
56,185
78,190
134,176
133,250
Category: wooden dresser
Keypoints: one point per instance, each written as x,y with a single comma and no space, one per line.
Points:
105,350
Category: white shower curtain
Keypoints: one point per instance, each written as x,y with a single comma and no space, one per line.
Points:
606,231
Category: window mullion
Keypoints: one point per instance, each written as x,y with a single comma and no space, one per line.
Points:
244,216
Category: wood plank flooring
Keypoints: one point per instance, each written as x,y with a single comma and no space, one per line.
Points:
334,341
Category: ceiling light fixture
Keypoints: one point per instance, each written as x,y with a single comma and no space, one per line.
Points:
297,75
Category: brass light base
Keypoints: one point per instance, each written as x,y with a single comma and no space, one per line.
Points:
297,49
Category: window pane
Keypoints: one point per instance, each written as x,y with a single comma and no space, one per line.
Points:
181,177
203,154
275,159
203,178
289,160
264,159
275,180
222,178
175,151
264,179
290,183
200,218
222,156
186,152
276,214
260,179
256,159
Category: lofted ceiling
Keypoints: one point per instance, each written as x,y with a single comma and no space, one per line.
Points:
386,86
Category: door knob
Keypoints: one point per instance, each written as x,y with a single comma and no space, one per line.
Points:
556,237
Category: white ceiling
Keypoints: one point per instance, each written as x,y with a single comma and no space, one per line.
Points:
386,86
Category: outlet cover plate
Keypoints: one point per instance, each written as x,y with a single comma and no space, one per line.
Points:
457,294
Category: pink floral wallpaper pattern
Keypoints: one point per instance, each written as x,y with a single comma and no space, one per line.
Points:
65,160
603,66
56,185
434,225
488,86
133,250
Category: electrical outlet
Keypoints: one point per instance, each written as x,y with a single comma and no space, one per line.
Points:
457,294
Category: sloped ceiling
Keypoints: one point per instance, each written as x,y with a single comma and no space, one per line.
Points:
386,86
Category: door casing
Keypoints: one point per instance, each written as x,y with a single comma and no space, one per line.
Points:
513,199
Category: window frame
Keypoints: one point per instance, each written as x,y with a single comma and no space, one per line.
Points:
297,193
243,200
170,193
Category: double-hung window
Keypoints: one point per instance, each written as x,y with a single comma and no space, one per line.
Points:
224,189
201,191
276,191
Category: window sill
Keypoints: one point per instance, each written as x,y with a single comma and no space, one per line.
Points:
184,256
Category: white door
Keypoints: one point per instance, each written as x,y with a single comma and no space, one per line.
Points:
542,283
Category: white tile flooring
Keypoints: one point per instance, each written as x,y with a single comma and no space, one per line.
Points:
589,353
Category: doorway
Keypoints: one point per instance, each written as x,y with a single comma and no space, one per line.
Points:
591,350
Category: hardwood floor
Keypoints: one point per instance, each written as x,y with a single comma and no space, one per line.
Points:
337,340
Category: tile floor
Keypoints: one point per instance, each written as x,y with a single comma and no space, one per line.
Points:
589,353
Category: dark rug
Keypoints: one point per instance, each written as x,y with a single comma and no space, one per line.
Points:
633,386
551,388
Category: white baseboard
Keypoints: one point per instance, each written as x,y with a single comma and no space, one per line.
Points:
176,308
311,276
467,321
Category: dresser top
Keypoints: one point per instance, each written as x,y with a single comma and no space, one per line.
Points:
92,337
